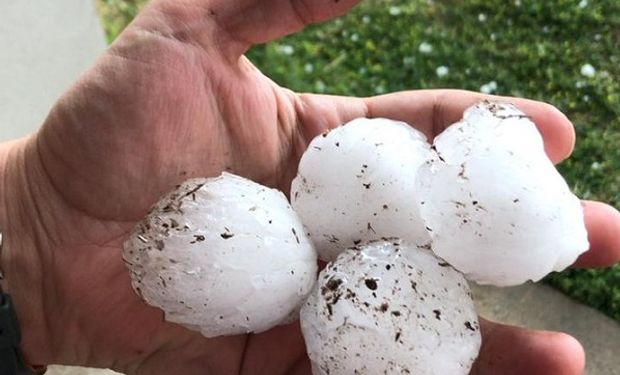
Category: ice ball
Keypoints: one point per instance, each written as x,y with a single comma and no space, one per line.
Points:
222,256
390,308
356,183
494,204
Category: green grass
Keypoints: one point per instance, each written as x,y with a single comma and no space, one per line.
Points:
116,14
529,48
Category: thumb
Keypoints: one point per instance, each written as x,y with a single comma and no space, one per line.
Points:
237,25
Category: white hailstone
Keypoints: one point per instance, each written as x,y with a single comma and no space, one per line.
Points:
390,308
286,49
494,204
442,71
356,183
587,70
395,11
320,86
425,47
489,87
222,256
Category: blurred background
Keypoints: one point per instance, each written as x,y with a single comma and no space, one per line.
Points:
565,52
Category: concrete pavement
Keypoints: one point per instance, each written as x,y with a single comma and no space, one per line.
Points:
65,370
44,46
539,306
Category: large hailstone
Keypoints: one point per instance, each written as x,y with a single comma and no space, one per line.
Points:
494,204
222,256
390,308
356,183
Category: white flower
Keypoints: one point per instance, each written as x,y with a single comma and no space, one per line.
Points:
355,37
308,68
517,3
380,89
408,60
488,88
596,166
482,17
366,19
442,71
580,84
425,48
587,70
583,3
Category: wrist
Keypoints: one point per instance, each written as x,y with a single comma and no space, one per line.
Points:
22,274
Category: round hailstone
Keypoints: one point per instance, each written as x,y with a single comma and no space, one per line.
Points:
390,308
222,256
495,206
356,183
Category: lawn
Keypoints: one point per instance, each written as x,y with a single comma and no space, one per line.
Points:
565,52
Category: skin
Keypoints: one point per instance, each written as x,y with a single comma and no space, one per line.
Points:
171,99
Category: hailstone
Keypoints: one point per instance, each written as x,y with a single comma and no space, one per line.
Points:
356,183
495,206
390,308
222,256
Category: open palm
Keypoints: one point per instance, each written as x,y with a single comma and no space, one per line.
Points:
174,98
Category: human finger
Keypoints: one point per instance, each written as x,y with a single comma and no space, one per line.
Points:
509,350
431,111
235,26
603,224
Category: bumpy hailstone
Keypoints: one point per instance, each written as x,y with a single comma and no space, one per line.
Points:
494,204
389,308
222,256
356,183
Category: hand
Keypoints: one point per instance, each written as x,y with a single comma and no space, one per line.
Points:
171,99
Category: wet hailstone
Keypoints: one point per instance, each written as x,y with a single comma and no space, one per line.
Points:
495,206
390,308
357,183
222,256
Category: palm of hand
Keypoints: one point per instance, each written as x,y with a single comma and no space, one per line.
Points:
170,100
170,110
